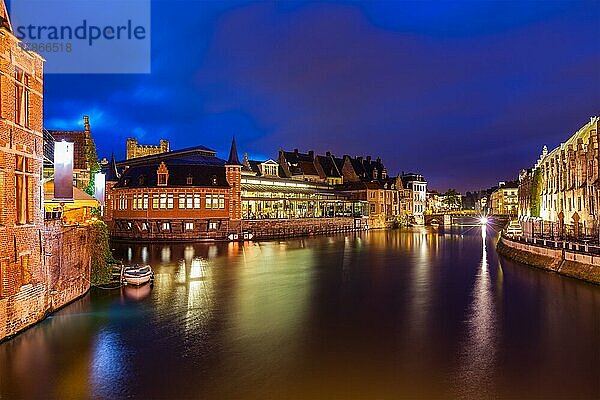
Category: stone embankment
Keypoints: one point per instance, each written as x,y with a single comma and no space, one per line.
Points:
562,258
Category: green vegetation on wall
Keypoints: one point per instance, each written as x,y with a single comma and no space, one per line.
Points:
92,159
536,193
100,253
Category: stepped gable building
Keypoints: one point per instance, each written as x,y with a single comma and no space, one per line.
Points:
328,169
186,194
299,166
83,148
135,150
567,187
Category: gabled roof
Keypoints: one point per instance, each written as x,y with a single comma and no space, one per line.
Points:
111,170
329,167
78,140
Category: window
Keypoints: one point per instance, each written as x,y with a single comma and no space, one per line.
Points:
212,225
196,201
189,226
164,201
155,201
22,192
25,272
190,180
123,202
214,180
145,201
2,198
162,179
129,225
187,201
166,226
215,201
21,98
3,269
144,226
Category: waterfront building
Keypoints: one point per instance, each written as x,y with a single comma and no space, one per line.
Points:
85,160
415,197
505,199
43,265
525,194
185,194
134,149
564,181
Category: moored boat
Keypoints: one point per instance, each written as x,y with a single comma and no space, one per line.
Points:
137,274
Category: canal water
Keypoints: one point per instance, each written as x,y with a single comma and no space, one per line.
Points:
373,315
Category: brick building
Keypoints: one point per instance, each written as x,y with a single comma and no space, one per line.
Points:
135,150
21,156
84,153
186,194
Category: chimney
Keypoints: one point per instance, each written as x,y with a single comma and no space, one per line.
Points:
328,154
86,123
311,154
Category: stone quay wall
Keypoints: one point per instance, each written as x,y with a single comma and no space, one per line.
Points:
65,277
569,260
281,228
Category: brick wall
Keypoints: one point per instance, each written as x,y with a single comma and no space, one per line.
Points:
277,228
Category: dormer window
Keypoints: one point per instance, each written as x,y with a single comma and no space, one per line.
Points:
189,180
214,180
374,174
162,174
142,180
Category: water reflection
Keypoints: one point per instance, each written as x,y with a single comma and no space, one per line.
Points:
478,363
380,314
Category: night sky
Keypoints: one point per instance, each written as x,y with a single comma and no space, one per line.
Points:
465,93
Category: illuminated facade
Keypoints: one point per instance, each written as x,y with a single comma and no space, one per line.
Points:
505,199
568,179
415,197
135,150
187,194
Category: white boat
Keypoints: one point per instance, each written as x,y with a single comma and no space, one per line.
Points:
137,274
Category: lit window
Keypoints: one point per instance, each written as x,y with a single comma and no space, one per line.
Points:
166,226
196,201
21,98
189,226
190,180
162,179
212,226
144,226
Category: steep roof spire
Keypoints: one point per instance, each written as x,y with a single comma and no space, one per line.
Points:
233,154
112,174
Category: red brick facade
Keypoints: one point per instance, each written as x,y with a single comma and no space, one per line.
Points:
35,276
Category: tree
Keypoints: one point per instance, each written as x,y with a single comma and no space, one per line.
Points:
92,159
536,192
452,199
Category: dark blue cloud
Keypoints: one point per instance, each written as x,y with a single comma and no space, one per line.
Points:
466,93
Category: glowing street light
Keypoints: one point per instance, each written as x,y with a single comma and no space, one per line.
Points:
484,220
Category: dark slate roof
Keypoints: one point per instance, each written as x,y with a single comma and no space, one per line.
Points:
111,170
48,148
78,140
411,178
329,167
144,176
233,154
200,154
300,163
